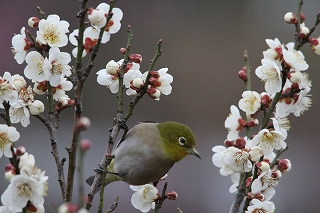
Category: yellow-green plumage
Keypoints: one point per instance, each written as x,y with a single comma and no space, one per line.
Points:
149,151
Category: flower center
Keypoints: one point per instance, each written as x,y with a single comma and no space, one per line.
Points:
24,190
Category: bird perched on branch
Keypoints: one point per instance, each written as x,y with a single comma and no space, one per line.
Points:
148,152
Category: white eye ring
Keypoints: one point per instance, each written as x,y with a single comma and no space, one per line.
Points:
182,141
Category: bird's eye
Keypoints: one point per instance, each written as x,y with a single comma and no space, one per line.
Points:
182,141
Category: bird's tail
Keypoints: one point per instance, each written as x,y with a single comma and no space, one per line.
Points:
90,180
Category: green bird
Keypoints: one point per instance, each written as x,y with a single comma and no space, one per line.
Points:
148,152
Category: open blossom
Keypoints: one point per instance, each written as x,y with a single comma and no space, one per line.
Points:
159,83
90,39
20,46
114,25
21,189
144,196
56,66
97,17
104,78
8,135
294,58
7,90
52,31
231,160
250,102
269,139
259,206
274,53
132,74
34,70
232,123
270,73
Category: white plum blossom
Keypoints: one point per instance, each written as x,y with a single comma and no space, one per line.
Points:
106,79
56,66
90,38
8,135
144,196
60,90
274,53
270,73
250,102
20,115
20,46
259,206
294,58
232,123
114,25
269,139
34,70
133,73
22,189
231,160
52,31
7,90
113,67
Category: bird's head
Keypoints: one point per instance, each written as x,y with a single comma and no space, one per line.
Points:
177,140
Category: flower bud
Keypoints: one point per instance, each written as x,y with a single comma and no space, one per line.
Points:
123,50
240,143
97,17
33,22
137,58
83,123
153,92
314,42
255,153
85,145
27,160
68,208
172,195
20,150
19,82
303,32
242,74
263,166
294,76
276,174
36,107
112,67
284,165
228,143
137,83
290,18
10,174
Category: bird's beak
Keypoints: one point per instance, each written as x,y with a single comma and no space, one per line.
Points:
193,151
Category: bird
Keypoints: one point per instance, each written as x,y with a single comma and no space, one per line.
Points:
148,151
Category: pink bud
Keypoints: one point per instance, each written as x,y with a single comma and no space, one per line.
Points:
20,150
172,195
242,74
228,143
137,58
123,50
85,145
284,165
9,167
33,22
240,143
83,124
290,18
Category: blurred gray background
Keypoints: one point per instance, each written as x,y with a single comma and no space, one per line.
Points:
203,45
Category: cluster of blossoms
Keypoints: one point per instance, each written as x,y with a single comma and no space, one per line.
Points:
158,83
28,184
286,91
